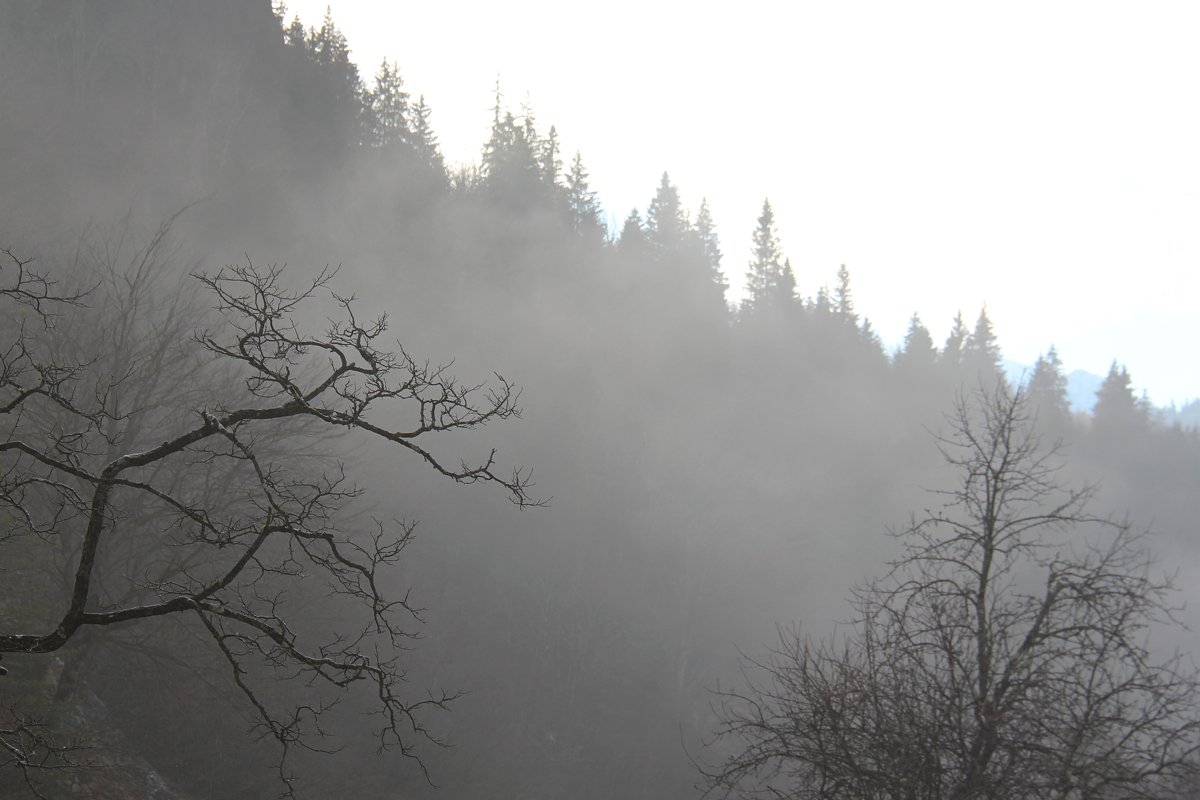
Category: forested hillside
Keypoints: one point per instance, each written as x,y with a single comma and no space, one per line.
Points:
704,472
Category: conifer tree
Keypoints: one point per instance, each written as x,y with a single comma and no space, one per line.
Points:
497,150
545,151
497,106
424,140
843,301
329,48
549,158
501,134
1117,410
666,222
387,108
581,201
1048,388
866,333
706,236
952,353
981,353
529,122
787,284
294,34
918,353
770,283
632,242
821,305
511,154
337,83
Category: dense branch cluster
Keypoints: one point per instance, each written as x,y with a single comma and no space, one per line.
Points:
225,509
1008,654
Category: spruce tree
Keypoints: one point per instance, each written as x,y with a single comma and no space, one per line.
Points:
868,336
1047,388
387,108
918,353
786,289
424,140
952,353
632,242
329,48
1117,410
843,301
337,83
497,107
981,353
511,167
666,222
294,34
821,306
529,122
706,236
328,44
507,150
770,283
502,144
549,158
581,202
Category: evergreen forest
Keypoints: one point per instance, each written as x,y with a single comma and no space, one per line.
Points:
690,478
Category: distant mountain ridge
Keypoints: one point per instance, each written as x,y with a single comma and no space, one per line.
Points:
1081,394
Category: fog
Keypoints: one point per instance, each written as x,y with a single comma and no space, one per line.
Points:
701,473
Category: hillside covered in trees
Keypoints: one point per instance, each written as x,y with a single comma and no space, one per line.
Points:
707,471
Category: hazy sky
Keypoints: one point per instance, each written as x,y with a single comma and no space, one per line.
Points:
1042,157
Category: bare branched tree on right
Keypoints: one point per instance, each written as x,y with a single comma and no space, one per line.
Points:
1009,653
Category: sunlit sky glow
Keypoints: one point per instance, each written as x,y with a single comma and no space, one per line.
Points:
1042,158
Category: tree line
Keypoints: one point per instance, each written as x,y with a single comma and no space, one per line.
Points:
712,470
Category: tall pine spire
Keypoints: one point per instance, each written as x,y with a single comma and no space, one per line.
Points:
1117,410
919,353
386,106
581,201
632,242
770,283
666,222
981,353
710,250
424,140
1047,388
952,353
843,299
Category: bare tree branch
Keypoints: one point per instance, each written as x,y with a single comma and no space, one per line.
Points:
28,745
1006,655
227,518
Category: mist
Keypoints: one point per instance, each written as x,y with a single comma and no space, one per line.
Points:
688,474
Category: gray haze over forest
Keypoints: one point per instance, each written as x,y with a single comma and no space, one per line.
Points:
687,476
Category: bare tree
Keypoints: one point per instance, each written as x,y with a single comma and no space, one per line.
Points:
1007,654
235,516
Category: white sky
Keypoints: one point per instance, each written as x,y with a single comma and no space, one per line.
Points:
1042,157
